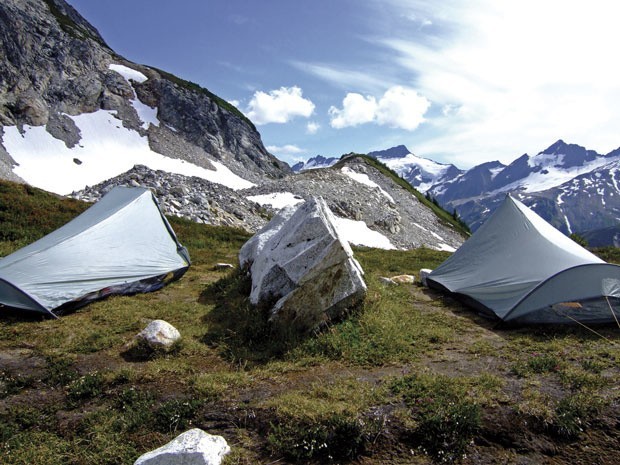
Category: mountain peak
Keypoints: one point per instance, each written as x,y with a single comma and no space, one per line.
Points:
558,146
572,154
395,152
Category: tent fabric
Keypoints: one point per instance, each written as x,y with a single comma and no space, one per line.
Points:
122,244
519,268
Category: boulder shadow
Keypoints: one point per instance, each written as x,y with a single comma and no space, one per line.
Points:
240,331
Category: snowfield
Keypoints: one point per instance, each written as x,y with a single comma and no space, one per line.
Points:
106,149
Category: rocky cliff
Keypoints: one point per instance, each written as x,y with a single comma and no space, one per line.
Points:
55,65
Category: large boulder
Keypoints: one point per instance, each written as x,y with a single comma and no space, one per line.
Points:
302,271
194,447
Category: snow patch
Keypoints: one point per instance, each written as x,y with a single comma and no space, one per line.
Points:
277,200
364,179
445,247
148,115
358,233
106,149
128,73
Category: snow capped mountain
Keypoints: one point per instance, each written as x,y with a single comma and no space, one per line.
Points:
73,112
574,189
315,162
421,173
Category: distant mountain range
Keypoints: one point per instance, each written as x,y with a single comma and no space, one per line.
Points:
575,189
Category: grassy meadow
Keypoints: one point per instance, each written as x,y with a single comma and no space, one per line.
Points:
410,377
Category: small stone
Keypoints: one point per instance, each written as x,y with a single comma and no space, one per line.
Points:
424,272
403,279
223,266
159,335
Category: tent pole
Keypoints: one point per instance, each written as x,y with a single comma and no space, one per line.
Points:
612,311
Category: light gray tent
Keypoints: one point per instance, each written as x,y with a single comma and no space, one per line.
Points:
521,269
121,245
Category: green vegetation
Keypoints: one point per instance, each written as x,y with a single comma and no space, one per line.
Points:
408,377
70,27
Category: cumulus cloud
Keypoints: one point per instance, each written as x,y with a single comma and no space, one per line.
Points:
312,127
279,106
288,149
399,107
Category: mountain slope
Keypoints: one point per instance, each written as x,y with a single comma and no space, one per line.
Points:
60,84
77,118
368,201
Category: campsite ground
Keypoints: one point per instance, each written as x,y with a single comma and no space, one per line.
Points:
411,377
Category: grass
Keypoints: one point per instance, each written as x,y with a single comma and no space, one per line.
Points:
408,377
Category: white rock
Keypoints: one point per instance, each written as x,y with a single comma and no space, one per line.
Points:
403,279
159,334
424,272
301,268
194,447
256,243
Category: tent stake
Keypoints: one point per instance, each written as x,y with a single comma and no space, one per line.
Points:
587,327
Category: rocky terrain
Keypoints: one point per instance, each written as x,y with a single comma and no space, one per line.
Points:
384,207
192,198
54,65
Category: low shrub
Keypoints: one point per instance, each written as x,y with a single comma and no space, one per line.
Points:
85,387
445,418
336,437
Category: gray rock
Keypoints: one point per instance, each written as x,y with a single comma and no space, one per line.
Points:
194,447
424,272
302,270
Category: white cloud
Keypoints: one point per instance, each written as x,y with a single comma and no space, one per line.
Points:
288,149
399,107
312,127
513,77
279,106
356,109
343,77
402,108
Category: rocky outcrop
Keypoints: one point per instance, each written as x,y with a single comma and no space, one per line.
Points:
302,272
53,62
192,198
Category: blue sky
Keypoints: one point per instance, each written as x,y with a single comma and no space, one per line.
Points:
456,81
